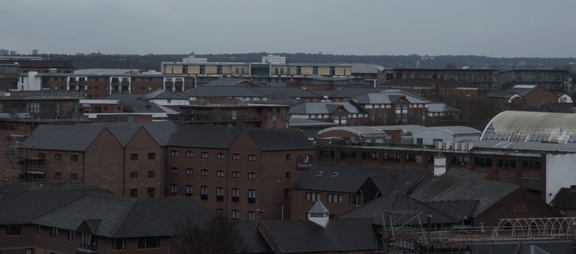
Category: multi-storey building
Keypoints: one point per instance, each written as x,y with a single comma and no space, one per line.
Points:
553,80
239,174
483,79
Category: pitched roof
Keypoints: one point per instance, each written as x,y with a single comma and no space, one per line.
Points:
565,199
203,136
324,108
222,91
63,137
340,235
227,82
389,96
350,178
279,139
293,92
458,209
121,217
400,209
251,237
160,131
463,185
23,206
163,94
440,107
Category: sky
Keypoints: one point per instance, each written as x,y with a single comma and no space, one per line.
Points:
495,28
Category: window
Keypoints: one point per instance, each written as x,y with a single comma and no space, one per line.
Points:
54,232
151,192
148,242
73,176
235,156
204,192
189,154
133,156
88,242
204,172
174,171
189,171
134,174
353,199
288,157
251,175
235,214
151,156
252,196
251,215
220,156
173,153
334,198
41,155
311,196
235,174
13,230
287,174
219,213
287,193
235,195
204,155
174,188
73,157
118,244
57,175
71,234
134,193
220,194
58,157
251,157
151,173
189,190
220,173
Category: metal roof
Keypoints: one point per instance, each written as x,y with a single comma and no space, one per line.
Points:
520,125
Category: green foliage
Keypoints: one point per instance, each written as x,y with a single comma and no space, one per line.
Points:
216,237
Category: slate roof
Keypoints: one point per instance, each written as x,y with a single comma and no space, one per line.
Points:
203,136
523,247
293,92
399,208
565,199
122,217
349,178
62,137
227,82
163,94
340,235
96,71
21,207
324,108
45,186
279,139
160,131
222,91
462,185
440,107
351,92
251,237
125,97
458,209
389,96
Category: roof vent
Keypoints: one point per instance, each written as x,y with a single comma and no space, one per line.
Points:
335,174
320,173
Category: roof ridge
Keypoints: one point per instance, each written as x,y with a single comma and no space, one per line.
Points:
134,200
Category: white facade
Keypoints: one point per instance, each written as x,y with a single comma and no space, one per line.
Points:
560,173
30,82
274,59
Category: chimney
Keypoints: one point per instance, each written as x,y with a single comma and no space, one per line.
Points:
439,165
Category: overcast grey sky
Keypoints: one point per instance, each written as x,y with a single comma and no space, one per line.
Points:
498,28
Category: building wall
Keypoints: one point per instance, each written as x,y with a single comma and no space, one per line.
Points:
559,173
103,164
301,206
144,171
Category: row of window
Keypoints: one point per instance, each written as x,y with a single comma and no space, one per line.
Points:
134,156
150,192
235,192
219,173
235,214
204,155
58,175
332,198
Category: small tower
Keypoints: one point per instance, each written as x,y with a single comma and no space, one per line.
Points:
319,214
439,165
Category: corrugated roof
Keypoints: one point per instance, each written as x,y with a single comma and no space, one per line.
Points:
520,124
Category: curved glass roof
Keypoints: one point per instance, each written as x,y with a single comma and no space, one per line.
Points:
532,126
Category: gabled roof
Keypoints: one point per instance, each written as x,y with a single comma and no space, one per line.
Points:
522,90
458,209
203,136
340,235
293,92
462,185
23,206
251,237
163,94
160,131
63,137
120,217
440,108
399,208
279,139
565,199
324,108
222,91
350,178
